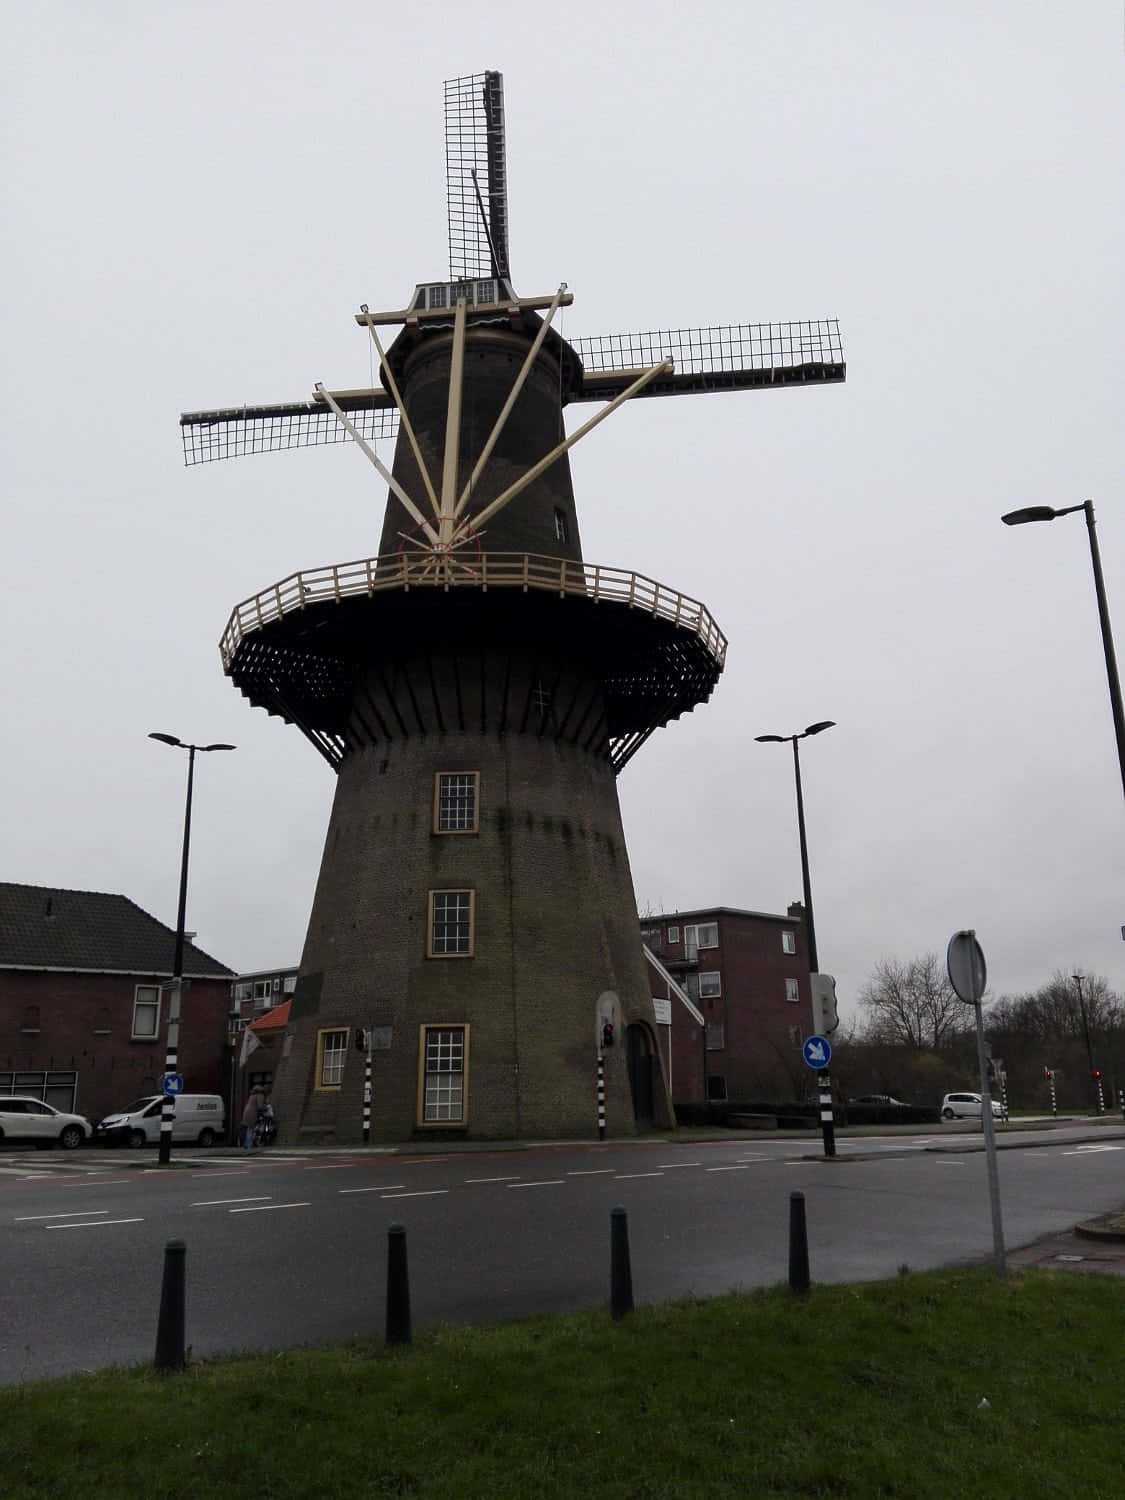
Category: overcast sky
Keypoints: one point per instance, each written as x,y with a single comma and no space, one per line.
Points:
198,199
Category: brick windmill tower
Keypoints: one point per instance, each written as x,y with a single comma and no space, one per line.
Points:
477,687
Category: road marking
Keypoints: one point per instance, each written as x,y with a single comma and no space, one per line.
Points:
753,1158
594,1172
666,1166
628,1176
77,1214
1090,1150
98,1182
233,1172
421,1193
725,1169
469,1180
264,1208
943,1163
330,1166
425,1161
385,1187
221,1202
551,1182
93,1224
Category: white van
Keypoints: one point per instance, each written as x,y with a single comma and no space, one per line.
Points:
199,1117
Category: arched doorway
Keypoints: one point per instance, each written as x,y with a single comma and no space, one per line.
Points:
639,1058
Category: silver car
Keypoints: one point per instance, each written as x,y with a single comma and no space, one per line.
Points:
25,1119
967,1106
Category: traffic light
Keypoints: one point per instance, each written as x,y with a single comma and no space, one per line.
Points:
607,1033
360,1039
1097,1074
1046,1073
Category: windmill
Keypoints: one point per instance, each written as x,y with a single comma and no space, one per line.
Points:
477,686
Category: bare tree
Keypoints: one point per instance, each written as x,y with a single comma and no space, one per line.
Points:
912,1004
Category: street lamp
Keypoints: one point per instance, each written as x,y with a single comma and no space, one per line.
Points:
781,739
1086,1034
1048,513
168,1112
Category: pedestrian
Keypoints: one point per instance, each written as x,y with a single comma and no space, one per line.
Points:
254,1107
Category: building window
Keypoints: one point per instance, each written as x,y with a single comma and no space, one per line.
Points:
30,1019
788,942
289,984
146,1012
704,935
444,1068
263,990
451,924
331,1050
792,990
243,990
562,531
716,1087
101,1022
455,801
796,1036
673,934
715,1042
651,936
710,984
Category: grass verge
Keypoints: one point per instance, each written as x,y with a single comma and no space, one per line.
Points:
937,1385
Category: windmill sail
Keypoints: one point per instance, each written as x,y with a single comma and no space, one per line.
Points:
476,161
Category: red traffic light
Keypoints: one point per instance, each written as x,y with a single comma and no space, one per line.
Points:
607,1034
1046,1072
360,1039
1097,1072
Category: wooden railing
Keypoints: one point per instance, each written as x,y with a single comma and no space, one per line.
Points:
496,570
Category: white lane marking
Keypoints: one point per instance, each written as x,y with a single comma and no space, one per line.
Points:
596,1172
1090,1150
425,1161
384,1187
264,1208
221,1202
93,1223
551,1182
330,1166
469,1180
421,1193
754,1158
943,1163
725,1169
628,1176
666,1166
79,1213
232,1172
97,1181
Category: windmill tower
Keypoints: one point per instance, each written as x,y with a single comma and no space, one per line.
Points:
477,686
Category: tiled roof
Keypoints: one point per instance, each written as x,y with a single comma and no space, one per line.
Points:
273,1020
91,931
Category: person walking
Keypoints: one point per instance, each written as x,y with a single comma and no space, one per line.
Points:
254,1107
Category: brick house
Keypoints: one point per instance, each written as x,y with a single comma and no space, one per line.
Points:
83,978
747,972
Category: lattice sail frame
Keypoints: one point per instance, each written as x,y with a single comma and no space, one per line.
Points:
476,160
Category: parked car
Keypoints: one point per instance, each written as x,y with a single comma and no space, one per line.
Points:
876,1099
27,1119
967,1106
198,1117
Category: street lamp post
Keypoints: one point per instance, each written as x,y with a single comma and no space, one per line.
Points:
167,1113
814,967
1086,1037
1048,513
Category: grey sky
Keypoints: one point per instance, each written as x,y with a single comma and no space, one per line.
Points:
199,198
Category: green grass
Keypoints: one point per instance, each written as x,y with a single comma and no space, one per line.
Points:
862,1391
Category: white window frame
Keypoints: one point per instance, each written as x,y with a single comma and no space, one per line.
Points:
788,942
716,1036
673,935
691,935
435,946
707,989
793,991
149,990
471,778
562,526
290,984
330,1059
436,1101
263,994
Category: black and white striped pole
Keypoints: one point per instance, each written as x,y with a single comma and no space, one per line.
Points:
171,1053
601,1095
1054,1096
367,1087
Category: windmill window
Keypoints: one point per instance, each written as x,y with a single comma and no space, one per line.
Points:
146,1012
331,1050
562,531
455,801
541,700
450,924
443,1075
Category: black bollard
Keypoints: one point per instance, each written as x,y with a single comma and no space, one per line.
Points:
398,1287
170,1324
620,1273
798,1246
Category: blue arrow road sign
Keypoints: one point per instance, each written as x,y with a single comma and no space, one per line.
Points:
817,1051
172,1083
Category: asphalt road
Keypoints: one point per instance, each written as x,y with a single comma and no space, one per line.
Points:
289,1248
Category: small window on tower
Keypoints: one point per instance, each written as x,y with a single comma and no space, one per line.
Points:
455,801
450,924
562,532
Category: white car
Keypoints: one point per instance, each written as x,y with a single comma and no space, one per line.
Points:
962,1106
26,1119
